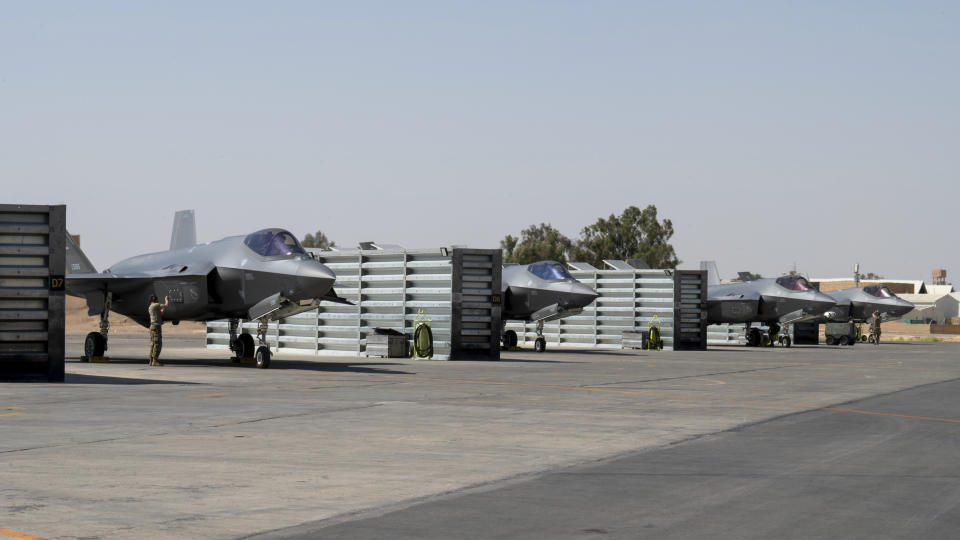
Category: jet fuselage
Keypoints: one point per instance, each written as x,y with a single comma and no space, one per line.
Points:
765,300
218,280
857,304
543,290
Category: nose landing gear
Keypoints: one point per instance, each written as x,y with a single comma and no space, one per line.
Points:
244,348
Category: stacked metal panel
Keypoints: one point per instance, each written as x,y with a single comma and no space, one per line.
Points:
631,300
396,289
690,310
32,260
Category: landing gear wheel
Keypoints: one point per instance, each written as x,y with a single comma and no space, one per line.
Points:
263,357
509,339
831,340
844,340
765,340
245,346
753,337
785,341
863,339
871,339
540,344
94,345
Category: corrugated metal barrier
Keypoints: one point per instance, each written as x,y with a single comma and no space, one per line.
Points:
32,260
630,300
456,290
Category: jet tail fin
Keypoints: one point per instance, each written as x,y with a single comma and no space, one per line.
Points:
713,275
184,232
77,261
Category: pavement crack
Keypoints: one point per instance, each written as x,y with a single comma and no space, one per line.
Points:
190,429
697,376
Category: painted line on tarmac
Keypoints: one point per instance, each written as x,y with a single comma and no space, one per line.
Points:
215,394
18,535
895,415
11,411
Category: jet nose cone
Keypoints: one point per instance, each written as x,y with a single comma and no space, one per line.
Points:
314,279
582,295
901,308
823,302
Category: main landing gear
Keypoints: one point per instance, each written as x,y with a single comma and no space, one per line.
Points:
509,339
758,338
243,347
95,344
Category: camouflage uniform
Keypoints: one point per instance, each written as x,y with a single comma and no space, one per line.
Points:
875,327
156,334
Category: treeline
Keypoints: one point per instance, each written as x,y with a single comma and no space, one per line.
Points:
634,234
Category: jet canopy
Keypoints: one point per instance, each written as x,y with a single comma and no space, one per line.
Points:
549,270
795,283
273,243
880,291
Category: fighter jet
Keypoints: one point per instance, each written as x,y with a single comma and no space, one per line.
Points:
772,301
857,304
263,276
540,292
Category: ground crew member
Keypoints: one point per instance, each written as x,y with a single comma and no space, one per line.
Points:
875,327
156,310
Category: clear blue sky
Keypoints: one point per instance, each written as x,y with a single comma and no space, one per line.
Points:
821,133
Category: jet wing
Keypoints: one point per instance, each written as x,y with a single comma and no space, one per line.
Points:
84,284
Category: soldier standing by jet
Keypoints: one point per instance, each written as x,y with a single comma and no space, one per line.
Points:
875,327
156,310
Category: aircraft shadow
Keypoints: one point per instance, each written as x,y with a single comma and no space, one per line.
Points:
76,378
277,365
337,367
528,361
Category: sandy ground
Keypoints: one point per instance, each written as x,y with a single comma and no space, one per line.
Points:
78,322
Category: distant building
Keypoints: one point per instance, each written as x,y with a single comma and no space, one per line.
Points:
897,286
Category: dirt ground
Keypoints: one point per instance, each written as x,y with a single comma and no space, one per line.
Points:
77,321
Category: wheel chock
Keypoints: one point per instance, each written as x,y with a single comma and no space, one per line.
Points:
249,360
100,359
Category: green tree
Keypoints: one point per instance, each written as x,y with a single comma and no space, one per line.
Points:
871,275
319,241
536,243
634,234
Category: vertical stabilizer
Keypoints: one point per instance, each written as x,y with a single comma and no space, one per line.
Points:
184,230
77,261
713,275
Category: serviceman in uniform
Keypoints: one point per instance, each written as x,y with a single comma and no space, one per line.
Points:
875,327
156,310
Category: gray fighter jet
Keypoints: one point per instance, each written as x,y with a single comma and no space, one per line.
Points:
263,276
540,292
772,301
857,304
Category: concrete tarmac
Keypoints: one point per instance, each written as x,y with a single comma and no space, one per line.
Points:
209,449
837,473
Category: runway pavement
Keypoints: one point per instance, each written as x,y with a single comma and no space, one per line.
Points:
883,467
209,449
